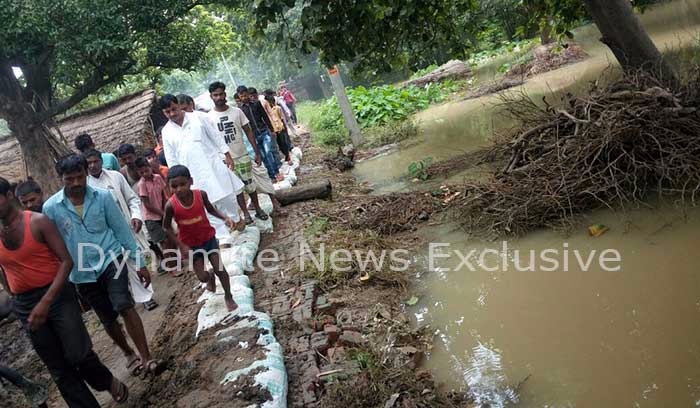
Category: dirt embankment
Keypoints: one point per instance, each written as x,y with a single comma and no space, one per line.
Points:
346,337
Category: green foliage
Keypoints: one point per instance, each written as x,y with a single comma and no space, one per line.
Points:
503,48
419,170
388,133
430,68
383,34
317,226
69,49
381,111
379,105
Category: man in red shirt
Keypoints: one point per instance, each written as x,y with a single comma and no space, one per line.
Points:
35,265
290,100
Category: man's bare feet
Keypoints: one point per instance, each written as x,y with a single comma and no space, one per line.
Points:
230,303
240,226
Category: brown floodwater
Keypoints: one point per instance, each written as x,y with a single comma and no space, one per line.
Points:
585,336
456,127
593,338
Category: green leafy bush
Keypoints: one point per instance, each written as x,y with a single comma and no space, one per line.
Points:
378,109
430,68
392,132
419,169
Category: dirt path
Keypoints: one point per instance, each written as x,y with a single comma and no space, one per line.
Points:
346,341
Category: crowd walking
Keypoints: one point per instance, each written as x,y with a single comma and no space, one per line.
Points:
84,247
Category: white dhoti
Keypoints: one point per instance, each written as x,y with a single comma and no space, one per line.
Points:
228,206
139,293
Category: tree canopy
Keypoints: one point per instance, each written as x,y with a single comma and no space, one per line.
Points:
69,49
386,35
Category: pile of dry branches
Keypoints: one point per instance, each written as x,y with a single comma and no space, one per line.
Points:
610,148
387,214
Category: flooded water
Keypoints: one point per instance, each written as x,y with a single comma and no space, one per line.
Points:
575,338
585,336
461,126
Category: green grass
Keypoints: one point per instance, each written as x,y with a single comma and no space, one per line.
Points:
317,226
389,133
383,113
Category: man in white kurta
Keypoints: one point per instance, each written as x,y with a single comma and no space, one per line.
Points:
192,141
130,205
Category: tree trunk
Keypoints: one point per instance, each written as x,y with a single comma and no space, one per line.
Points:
318,190
546,34
40,151
623,33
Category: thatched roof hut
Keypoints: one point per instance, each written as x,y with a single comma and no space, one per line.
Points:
11,164
130,119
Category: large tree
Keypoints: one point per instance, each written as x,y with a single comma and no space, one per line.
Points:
69,49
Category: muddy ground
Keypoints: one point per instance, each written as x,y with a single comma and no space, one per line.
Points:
346,338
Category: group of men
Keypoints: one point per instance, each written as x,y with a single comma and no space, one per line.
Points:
90,233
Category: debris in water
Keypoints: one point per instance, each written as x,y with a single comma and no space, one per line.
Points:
597,230
412,301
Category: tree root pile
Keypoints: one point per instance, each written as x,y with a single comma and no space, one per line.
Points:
388,214
547,58
610,148
456,164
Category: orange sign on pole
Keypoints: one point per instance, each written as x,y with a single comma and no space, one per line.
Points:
333,71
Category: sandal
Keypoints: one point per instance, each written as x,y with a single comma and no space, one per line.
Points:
150,305
133,365
155,367
122,391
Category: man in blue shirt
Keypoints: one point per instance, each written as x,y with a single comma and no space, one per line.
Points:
97,237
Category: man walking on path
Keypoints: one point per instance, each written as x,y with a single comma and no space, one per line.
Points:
232,125
195,144
290,100
97,235
130,205
261,125
36,263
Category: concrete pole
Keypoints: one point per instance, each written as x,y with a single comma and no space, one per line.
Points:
228,70
345,107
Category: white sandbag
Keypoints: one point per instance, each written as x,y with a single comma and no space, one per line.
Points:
296,153
262,181
237,259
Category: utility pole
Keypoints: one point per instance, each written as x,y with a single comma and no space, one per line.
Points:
345,107
233,81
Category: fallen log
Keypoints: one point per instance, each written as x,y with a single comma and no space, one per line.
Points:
451,70
318,190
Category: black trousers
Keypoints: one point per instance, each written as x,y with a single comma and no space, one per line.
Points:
283,143
63,344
